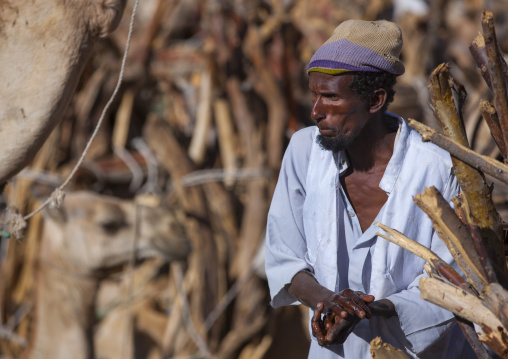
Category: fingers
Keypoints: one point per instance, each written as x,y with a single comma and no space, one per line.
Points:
338,311
367,298
317,312
353,302
317,325
331,328
335,330
341,329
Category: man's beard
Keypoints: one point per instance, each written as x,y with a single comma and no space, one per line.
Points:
335,144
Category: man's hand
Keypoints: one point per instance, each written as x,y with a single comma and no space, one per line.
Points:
342,311
332,329
349,302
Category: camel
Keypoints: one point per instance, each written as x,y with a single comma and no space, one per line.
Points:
44,46
88,236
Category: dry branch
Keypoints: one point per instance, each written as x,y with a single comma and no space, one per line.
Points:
454,234
380,350
497,78
496,299
489,114
462,211
472,182
423,252
483,163
469,307
479,53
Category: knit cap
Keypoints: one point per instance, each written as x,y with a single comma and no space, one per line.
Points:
358,45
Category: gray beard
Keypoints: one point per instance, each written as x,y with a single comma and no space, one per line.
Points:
335,144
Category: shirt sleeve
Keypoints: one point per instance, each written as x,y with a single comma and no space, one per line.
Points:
285,242
422,322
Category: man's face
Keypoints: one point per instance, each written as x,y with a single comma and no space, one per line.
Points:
339,114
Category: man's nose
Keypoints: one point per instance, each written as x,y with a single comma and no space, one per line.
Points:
317,110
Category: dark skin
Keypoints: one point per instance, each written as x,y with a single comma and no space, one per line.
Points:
339,113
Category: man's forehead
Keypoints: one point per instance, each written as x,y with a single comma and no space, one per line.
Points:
322,81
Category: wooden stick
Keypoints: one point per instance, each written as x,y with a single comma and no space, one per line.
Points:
462,211
266,86
426,254
472,182
479,53
469,307
489,114
454,234
197,147
226,139
496,299
483,163
496,72
446,271
123,120
380,350
469,331
443,104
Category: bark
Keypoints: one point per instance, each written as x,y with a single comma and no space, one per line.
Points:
471,181
497,79
454,234
462,211
482,163
496,299
479,53
426,254
469,307
380,350
489,114
445,271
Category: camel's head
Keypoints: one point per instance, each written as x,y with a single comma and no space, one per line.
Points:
92,232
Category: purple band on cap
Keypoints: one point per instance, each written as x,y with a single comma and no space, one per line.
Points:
330,64
345,55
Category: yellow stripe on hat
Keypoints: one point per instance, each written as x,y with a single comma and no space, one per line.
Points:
328,71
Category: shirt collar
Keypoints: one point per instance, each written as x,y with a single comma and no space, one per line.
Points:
394,165
399,153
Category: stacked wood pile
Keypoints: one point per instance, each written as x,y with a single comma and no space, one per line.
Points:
473,230
212,92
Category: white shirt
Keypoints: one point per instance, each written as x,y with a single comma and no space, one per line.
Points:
313,227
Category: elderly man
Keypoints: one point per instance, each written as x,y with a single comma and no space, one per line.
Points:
359,165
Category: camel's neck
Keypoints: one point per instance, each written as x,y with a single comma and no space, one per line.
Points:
68,301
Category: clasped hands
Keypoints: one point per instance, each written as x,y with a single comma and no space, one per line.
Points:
342,311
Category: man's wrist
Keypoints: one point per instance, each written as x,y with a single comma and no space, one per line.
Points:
382,308
305,288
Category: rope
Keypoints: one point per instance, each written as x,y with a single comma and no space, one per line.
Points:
14,218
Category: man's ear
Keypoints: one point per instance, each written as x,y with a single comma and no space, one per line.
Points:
377,100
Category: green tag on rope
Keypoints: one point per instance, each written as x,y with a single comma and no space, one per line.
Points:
5,234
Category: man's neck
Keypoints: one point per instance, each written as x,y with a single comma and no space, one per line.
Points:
374,146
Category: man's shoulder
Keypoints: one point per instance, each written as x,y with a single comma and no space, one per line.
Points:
306,134
428,149
302,140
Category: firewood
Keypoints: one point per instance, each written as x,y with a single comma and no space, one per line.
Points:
470,307
425,253
197,147
226,136
123,120
455,235
497,78
462,211
489,114
496,299
380,350
483,163
471,181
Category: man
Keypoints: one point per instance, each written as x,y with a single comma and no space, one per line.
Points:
359,165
